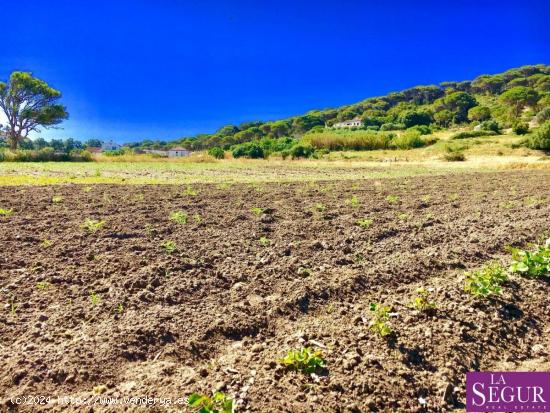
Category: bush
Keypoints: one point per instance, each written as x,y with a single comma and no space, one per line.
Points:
541,138
216,152
490,125
392,126
473,134
422,129
411,118
249,150
543,116
455,156
520,128
44,155
408,140
302,151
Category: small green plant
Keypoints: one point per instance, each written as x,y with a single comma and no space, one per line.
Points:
392,199
534,263
46,243
422,301
197,218
5,213
120,309
486,281
365,222
42,285
87,189
508,205
218,403
426,198
305,360
319,207
57,199
92,226
13,305
403,216
169,246
190,191
380,320
453,197
257,211
354,201
264,242
94,298
179,217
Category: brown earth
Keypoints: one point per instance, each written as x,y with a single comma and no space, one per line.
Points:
220,311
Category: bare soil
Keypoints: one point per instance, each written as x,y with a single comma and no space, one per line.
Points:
112,313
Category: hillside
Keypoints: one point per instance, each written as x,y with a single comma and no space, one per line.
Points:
507,98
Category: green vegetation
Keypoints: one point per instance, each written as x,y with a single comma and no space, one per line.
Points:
473,134
380,320
92,225
264,242
5,213
57,199
392,199
257,210
305,360
365,222
169,246
486,281
216,152
94,298
541,138
179,217
422,301
190,191
218,403
532,264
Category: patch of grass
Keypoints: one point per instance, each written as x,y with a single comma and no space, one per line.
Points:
190,191
354,201
179,217
531,264
57,199
218,403
486,281
257,211
264,242
92,225
319,207
392,199
305,360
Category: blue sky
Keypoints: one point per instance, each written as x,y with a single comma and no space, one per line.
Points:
131,70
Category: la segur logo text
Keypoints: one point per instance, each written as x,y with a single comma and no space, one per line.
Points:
489,391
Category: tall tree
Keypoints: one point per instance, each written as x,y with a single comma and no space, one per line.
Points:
28,104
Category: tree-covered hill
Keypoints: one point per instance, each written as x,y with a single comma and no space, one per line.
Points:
506,98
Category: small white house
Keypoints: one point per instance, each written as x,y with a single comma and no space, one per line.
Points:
177,152
110,146
353,123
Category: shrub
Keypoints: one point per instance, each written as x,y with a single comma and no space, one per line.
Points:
392,126
422,129
216,152
455,156
305,360
302,150
520,128
490,125
541,138
543,115
248,150
411,118
44,155
473,134
408,140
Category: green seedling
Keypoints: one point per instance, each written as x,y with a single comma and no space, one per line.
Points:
257,211
190,191
508,205
426,199
354,201
218,403
305,272
319,207
46,243
392,199
5,213
422,301
179,217
453,197
92,226
197,218
264,242
532,264
42,285
403,216
305,360
57,199
120,309
365,222
380,320
94,298
169,246
486,281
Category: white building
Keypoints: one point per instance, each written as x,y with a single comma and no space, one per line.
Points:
177,152
110,146
353,123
